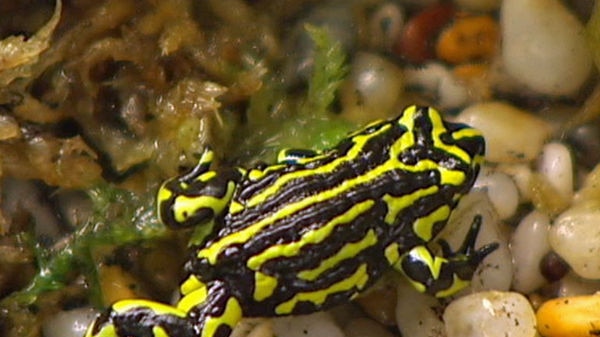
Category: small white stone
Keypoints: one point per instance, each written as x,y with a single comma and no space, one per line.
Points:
544,46
512,135
521,175
72,323
364,327
372,89
490,314
575,236
501,190
415,312
314,325
385,25
478,5
437,81
529,244
573,285
556,165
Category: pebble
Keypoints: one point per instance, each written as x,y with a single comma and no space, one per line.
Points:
468,38
436,80
512,135
538,35
372,89
71,323
414,42
545,197
529,245
314,325
556,165
575,236
553,267
253,327
585,141
379,303
364,327
521,174
478,5
416,313
501,190
385,26
573,285
9,128
577,316
589,191
490,314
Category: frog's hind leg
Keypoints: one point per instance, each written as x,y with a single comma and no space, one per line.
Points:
444,275
207,311
212,309
141,318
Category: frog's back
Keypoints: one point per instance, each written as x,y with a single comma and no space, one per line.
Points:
371,187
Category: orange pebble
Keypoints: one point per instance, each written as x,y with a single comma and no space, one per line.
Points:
117,284
577,316
468,38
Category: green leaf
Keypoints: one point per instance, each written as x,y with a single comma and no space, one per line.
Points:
329,69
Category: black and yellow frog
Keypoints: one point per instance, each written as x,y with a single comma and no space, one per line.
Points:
316,228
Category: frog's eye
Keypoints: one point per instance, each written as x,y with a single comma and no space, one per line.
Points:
469,140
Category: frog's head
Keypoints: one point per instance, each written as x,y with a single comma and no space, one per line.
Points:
195,197
455,150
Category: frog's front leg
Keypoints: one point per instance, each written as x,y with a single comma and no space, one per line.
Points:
141,318
445,275
198,196
212,309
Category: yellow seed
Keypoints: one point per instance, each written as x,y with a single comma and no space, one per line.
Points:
577,316
117,284
468,38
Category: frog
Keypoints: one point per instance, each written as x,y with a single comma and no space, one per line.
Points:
315,229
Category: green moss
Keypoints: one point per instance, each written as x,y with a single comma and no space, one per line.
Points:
120,217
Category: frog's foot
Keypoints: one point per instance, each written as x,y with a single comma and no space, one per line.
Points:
213,310
447,274
141,318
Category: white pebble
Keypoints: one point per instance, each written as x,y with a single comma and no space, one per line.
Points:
544,46
573,285
521,175
314,325
490,314
415,312
364,327
478,5
439,82
72,323
372,88
385,25
556,165
253,327
512,135
501,190
575,236
529,244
